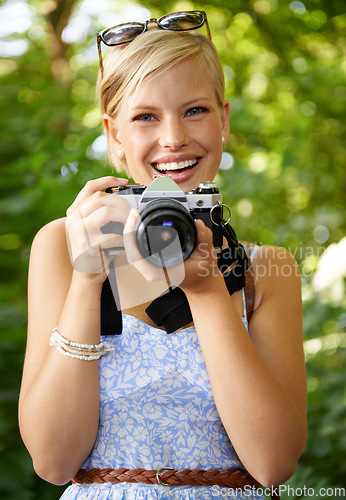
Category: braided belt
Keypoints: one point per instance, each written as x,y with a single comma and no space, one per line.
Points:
230,478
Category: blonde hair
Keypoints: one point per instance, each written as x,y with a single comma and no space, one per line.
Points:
126,66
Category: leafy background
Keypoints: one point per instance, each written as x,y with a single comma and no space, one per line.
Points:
285,69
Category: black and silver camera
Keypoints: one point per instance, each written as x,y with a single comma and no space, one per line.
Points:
166,234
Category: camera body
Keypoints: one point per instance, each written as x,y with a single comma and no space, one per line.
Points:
166,234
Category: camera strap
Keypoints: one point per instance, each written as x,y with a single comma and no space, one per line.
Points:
111,317
171,309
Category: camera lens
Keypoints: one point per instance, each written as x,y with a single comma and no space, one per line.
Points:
166,234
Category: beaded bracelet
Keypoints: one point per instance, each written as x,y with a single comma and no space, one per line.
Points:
87,352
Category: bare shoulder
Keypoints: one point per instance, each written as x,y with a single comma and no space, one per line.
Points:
275,272
50,246
52,234
49,256
277,317
50,266
272,255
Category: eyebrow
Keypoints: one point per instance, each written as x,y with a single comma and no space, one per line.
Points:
196,100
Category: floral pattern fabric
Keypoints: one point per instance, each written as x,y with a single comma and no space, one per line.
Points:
156,410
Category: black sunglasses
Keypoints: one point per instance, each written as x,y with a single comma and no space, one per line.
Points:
127,32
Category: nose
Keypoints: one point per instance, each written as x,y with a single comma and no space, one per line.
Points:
173,134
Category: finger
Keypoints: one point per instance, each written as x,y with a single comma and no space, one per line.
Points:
132,253
152,273
93,186
107,221
100,199
204,247
131,221
107,241
130,245
101,225
89,248
204,234
94,218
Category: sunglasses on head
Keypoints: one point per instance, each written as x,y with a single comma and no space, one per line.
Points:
127,32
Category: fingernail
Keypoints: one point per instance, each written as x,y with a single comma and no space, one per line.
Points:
200,223
133,213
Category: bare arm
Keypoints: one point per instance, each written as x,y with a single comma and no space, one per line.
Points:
58,411
59,400
258,381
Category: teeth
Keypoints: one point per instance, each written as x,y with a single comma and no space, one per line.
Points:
175,165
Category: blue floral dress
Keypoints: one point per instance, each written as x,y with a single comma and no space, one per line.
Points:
157,410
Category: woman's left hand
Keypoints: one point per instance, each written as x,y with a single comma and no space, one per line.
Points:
198,273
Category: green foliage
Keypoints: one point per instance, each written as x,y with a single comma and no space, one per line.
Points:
285,78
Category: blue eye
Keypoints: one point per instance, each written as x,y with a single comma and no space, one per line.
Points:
196,111
145,117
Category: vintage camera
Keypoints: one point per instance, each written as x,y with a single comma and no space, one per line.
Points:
166,234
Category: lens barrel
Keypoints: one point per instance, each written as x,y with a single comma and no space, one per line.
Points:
166,234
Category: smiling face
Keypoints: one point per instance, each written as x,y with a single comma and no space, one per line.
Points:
172,125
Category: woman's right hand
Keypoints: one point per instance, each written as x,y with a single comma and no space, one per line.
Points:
91,210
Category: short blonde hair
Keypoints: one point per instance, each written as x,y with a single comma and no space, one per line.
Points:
126,66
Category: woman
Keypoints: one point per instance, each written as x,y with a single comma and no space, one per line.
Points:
216,394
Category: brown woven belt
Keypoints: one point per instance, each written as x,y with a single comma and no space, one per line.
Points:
230,478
